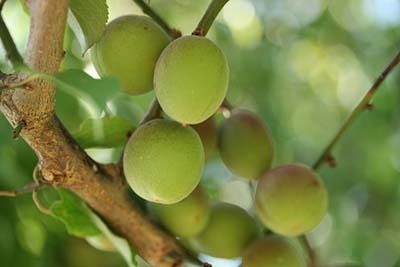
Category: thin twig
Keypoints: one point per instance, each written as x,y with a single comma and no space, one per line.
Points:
160,21
9,45
207,20
359,108
26,189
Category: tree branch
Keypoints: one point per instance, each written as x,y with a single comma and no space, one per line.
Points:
61,161
174,33
12,53
326,156
207,20
359,108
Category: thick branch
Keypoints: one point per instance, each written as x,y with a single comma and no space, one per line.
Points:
211,14
61,161
359,108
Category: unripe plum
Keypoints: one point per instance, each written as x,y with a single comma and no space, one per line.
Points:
291,199
187,217
272,251
163,161
128,50
207,131
191,79
245,145
228,232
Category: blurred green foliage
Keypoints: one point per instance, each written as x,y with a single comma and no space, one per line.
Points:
301,65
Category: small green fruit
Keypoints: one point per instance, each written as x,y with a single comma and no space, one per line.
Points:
128,50
245,145
229,231
191,79
207,131
272,251
291,199
163,161
187,217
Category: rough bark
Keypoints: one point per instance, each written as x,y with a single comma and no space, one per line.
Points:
61,161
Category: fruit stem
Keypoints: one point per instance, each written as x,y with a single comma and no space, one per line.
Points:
153,112
312,257
151,13
364,104
208,18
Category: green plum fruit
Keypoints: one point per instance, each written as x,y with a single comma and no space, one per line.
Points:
291,199
245,145
187,217
207,131
128,50
272,251
163,161
191,79
228,232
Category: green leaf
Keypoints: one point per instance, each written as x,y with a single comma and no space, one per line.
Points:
119,243
25,7
88,19
106,132
74,213
81,221
92,94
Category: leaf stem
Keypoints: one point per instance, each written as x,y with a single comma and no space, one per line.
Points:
160,21
208,18
359,108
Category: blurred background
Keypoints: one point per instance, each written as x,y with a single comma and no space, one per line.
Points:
301,65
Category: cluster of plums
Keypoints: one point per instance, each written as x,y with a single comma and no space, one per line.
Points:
164,158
